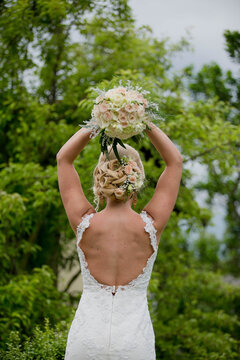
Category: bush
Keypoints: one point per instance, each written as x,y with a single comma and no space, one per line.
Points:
27,299
195,316
44,344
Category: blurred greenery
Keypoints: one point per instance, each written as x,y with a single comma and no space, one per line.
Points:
51,54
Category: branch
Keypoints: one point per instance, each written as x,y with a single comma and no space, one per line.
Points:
74,277
209,150
31,240
233,193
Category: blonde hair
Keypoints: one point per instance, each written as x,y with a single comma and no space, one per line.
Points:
110,176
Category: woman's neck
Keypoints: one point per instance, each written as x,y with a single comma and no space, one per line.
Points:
115,205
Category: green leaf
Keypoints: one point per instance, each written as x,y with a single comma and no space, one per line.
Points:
105,150
136,138
115,150
120,142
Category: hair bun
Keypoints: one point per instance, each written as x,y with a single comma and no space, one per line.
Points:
118,180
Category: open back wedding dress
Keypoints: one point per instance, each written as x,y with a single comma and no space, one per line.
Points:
110,323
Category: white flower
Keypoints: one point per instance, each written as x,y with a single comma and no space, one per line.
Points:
115,97
132,94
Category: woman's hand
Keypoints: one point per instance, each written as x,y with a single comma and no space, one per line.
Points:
71,149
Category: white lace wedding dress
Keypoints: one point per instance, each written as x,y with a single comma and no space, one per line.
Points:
112,324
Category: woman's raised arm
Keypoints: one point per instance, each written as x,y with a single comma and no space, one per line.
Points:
71,149
164,198
75,203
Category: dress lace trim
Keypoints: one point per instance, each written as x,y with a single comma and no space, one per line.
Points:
149,228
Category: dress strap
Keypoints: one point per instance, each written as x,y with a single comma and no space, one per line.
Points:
84,224
150,228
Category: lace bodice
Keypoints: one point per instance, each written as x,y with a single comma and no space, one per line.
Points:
141,282
113,323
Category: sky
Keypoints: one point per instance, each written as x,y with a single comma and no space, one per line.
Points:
206,21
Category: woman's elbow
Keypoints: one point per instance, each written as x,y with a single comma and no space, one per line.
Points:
59,157
180,159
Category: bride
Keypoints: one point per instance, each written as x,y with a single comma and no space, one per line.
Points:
117,247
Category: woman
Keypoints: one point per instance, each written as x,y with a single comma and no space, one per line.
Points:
117,248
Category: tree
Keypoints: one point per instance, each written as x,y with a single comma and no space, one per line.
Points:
52,53
211,83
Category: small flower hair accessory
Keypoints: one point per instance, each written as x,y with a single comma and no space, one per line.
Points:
120,113
134,180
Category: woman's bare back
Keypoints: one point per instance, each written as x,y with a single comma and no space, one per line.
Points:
116,247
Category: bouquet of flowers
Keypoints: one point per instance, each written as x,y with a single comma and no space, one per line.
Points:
120,113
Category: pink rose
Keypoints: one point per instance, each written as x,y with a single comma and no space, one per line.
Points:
138,170
132,178
132,163
134,166
145,102
122,113
107,116
129,108
103,107
135,107
118,193
140,97
132,117
124,123
128,169
141,110
123,117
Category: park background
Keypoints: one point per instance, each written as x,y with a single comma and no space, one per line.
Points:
51,54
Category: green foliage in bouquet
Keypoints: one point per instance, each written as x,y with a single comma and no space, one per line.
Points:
106,140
